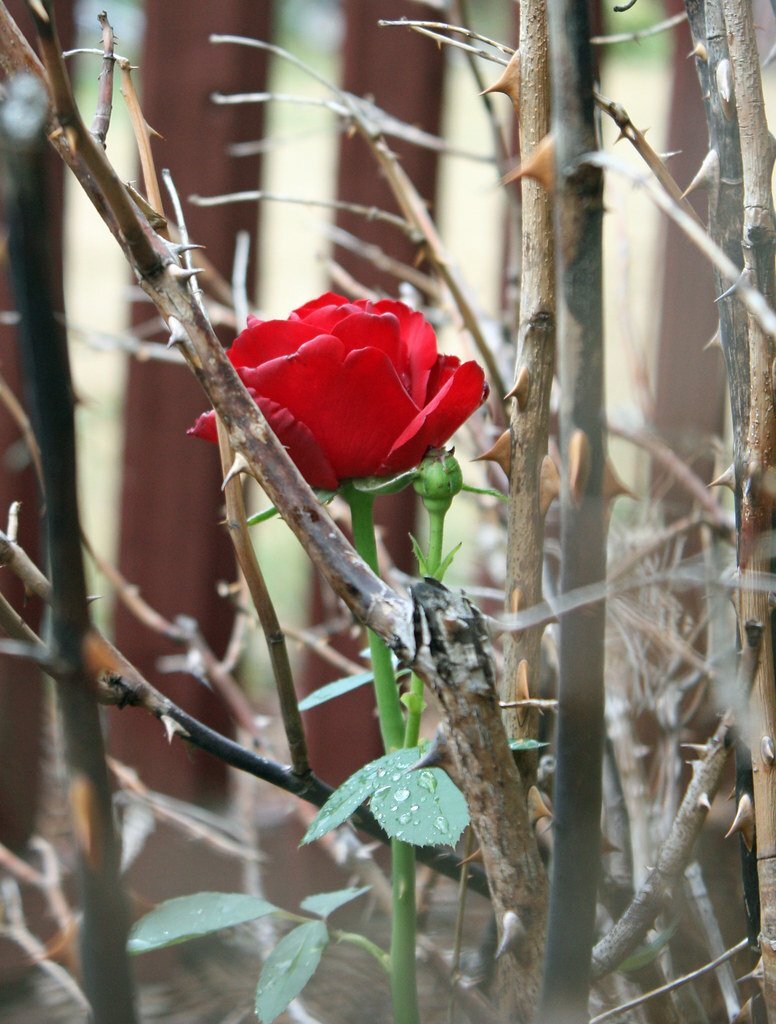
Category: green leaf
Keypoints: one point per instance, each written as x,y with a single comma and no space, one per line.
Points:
261,517
288,968
358,788
649,951
322,495
487,491
188,917
448,561
420,558
422,807
325,903
526,744
335,689
385,484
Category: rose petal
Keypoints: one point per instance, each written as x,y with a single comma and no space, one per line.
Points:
205,427
434,425
441,372
371,330
327,299
353,403
419,342
301,444
269,339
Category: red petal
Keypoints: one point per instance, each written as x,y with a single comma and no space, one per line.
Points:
457,400
420,345
327,299
353,403
370,330
304,450
441,372
205,427
269,339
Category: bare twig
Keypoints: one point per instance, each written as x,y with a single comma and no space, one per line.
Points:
674,854
676,983
101,121
641,33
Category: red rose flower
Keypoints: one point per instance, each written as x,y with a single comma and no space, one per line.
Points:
352,389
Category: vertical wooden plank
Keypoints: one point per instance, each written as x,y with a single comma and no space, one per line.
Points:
171,545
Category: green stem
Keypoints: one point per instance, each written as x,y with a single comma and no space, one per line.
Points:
404,989
364,943
386,694
414,699
404,992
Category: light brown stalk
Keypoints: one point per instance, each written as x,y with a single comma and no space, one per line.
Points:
757,505
530,416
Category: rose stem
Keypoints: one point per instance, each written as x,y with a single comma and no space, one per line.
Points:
403,924
414,698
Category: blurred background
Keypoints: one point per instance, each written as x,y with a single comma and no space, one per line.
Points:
150,496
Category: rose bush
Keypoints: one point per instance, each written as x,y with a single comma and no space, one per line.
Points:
352,389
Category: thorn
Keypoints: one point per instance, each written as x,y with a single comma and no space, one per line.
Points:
579,465
767,750
72,137
707,175
744,821
500,453
239,465
516,600
537,808
704,802
520,388
171,727
86,819
549,484
743,278
724,77
745,1015
522,691
539,165
695,748
756,974
178,335
180,249
521,685
715,341
40,10
183,273
699,51
612,486
509,83
512,932
473,858
726,479
438,755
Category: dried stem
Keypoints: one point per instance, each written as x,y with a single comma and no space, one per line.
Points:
101,121
580,729
675,853
44,360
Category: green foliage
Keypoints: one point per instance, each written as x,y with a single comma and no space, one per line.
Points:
526,744
335,689
325,903
288,968
422,807
189,917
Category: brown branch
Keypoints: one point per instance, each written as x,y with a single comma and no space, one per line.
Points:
675,853
465,689
101,120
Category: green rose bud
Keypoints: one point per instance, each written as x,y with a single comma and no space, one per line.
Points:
438,481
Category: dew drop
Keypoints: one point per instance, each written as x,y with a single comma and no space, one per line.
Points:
401,795
428,781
